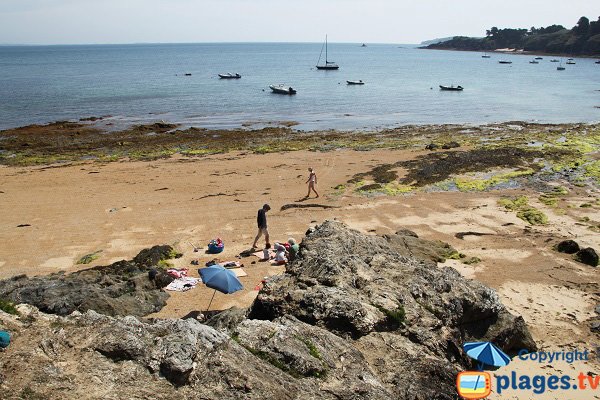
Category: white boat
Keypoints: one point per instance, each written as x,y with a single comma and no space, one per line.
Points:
570,62
329,65
229,75
282,89
359,82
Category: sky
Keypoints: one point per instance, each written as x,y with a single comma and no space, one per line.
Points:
356,21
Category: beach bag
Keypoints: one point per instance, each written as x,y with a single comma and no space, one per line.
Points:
216,246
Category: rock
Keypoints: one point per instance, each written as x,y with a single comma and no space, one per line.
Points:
432,146
122,288
587,256
353,318
407,243
595,326
406,232
567,246
450,145
362,289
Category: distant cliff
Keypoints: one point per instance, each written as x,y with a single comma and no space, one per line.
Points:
582,39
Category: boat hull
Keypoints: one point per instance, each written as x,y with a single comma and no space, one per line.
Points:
452,88
355,82
282,90
225,76
328,67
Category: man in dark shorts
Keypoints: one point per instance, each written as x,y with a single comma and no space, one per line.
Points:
261,221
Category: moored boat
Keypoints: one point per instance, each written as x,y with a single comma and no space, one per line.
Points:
329,65
282,89
570,62
359,82
229,75
554,60
534,62
504,62
485,55
539,58
451,88
597,62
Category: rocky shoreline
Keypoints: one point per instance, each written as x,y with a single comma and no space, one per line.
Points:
355,316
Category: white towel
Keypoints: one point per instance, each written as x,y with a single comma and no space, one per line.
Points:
183,284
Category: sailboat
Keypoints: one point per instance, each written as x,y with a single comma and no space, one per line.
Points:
485,55
560,67
329,65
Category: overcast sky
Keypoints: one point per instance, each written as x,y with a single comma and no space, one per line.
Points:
178,21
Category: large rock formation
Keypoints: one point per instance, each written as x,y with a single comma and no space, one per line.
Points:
123,288
352,318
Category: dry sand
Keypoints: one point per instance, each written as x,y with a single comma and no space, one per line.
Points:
123,207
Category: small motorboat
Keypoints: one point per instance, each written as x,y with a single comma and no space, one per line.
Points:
560,68
229,75
571,62
188,74
282,89
597,62
569,59
504,62
539,58
485,55
554,60
360,82
451,88
534,62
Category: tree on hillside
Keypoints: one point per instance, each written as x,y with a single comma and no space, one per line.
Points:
582,28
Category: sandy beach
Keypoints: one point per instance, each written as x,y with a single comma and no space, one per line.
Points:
52,215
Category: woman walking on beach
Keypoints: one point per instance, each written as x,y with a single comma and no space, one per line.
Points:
312,181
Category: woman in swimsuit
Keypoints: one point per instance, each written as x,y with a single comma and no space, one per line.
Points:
312,181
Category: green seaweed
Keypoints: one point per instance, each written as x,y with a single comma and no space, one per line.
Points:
533,216
513,204
466,184
89,258
8,307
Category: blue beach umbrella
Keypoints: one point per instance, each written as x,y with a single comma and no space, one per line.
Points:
486,353
4,339
221,279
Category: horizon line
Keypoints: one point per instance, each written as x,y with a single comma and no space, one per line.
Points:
214,42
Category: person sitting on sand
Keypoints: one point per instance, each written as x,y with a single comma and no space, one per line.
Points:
261,221
294,248
312,181
280,254
266,251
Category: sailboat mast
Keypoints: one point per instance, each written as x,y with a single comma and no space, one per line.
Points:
325,49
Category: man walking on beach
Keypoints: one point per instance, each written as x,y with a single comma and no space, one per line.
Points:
261,221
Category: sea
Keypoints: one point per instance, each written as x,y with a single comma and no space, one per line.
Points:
144,83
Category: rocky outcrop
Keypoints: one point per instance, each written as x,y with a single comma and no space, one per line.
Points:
354,317
123,288
405,314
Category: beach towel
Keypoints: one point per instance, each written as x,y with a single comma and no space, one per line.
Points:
239,272
231,264
177,273
259,254
183,284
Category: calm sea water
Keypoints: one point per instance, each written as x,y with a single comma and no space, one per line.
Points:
144,83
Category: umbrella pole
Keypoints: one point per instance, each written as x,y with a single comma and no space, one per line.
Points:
211,299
